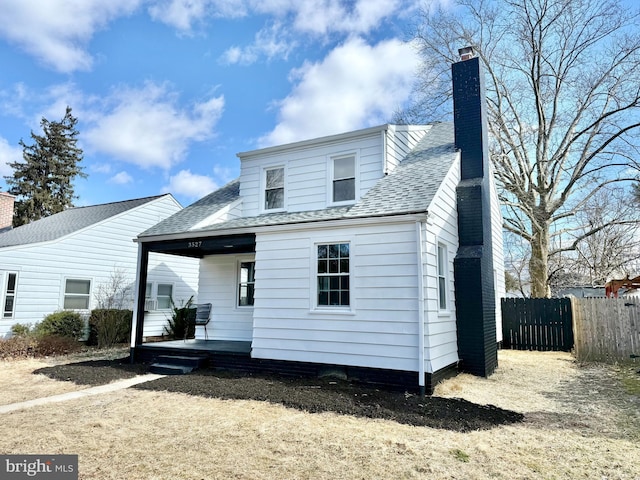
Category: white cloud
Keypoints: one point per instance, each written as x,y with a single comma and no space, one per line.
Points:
8,154
271,42
190,185
325,16
183,14
121,178
147,127
57,31
355,86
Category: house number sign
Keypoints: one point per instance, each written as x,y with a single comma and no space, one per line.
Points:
194,244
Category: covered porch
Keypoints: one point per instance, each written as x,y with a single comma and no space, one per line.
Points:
197,247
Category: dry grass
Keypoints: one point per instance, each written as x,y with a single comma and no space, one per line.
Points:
580,423
17,384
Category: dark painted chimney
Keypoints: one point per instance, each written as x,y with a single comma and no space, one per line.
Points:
473,265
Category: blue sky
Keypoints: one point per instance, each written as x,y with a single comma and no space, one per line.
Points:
166,92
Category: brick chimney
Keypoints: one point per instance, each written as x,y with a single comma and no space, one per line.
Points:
6,210
473,265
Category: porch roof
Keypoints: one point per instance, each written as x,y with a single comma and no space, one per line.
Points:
408,189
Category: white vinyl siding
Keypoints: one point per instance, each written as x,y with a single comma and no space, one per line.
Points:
498,254
219,276
308,184
441,229
381,329
94,253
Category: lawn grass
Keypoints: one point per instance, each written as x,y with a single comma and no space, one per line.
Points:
580,422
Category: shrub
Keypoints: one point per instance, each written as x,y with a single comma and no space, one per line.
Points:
20,330
181,325
18,347
108,327
56,345
64,323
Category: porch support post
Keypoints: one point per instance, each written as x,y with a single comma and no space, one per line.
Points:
137,326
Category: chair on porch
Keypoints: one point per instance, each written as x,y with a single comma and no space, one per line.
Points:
203,315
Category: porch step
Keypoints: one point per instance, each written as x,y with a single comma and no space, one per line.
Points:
177,364
195,361
168,369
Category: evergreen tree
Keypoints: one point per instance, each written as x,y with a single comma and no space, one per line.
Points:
43,181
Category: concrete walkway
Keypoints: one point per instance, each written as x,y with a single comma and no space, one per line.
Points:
63,397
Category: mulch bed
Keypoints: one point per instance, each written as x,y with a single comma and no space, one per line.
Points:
312,395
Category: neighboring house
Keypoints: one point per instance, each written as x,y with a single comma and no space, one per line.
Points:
586,291
67,260
340,251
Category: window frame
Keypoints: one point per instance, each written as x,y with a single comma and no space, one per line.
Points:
157,295
263,188
442,277
316,307
331,178
239,281
88,296
6,294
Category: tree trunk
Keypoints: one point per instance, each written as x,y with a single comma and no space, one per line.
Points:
539,264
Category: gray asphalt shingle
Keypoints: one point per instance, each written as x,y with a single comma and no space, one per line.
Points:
67,222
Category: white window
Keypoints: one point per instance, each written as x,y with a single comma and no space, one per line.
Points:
164,296
343,179
442,277
77,293
333,287
246,284
274,189
10,294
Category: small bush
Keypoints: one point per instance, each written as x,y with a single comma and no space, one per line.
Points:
18,347
108,327
64,323
20,330
56,345
181,325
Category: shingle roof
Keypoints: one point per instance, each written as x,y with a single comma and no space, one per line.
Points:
409,188
64,223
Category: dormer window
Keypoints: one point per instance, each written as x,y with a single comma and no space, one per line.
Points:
274,189
343,179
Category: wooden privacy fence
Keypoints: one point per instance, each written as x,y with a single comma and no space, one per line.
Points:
537,324
606,329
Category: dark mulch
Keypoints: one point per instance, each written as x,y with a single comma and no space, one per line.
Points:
313,395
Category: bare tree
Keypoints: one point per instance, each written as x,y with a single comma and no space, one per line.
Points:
116,291
563,88
612,250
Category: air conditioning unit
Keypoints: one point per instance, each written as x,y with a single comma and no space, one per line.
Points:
150,304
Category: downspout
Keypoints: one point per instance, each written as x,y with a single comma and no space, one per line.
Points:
421,304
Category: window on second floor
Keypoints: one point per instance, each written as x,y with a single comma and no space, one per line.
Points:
274,188
343,179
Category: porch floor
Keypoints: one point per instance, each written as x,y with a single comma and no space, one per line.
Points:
204,346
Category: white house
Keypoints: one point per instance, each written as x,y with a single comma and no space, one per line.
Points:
66,260
348,251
